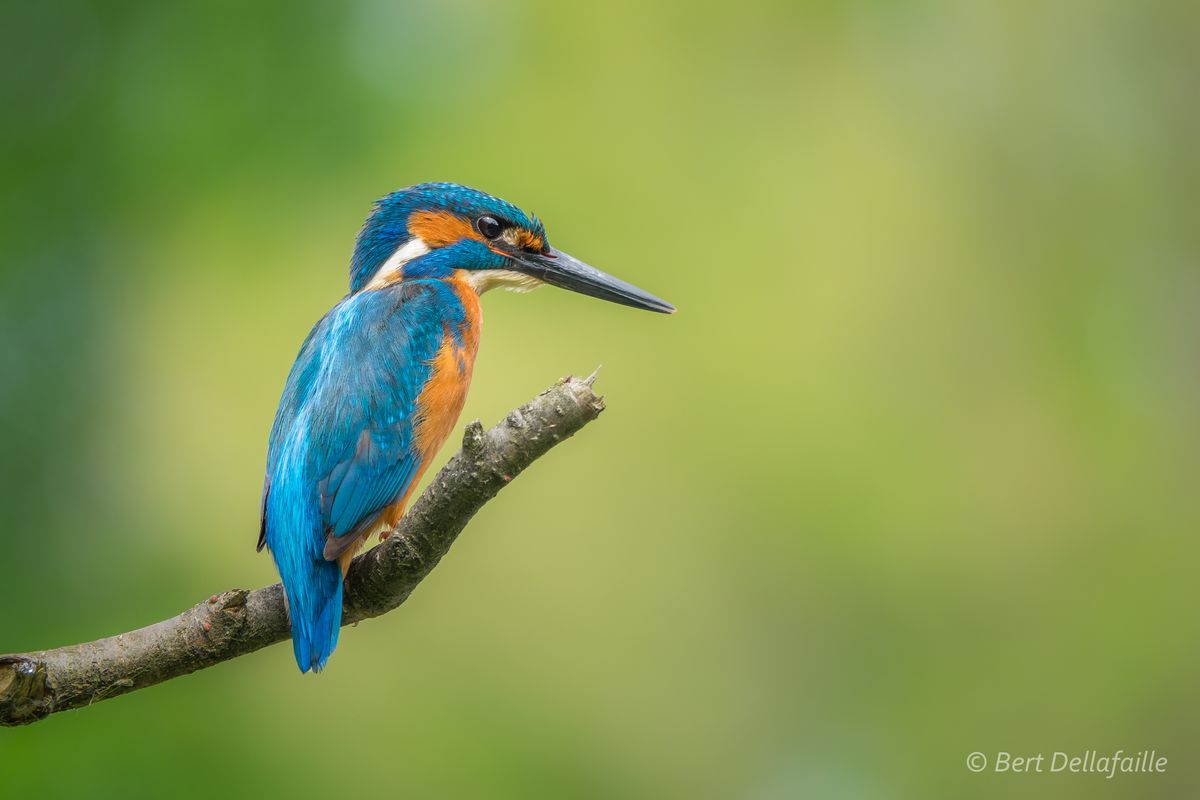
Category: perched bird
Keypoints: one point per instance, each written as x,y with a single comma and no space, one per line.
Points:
381,380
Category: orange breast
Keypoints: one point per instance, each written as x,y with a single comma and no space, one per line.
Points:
441,401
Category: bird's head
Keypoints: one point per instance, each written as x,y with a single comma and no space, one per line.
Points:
437,229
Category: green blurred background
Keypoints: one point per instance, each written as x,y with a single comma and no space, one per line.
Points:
912,473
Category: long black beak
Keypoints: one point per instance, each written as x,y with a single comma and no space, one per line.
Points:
559,269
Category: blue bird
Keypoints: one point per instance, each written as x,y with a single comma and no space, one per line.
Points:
381,380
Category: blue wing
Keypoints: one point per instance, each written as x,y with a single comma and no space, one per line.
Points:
345,423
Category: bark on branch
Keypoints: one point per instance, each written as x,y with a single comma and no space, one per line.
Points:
239,621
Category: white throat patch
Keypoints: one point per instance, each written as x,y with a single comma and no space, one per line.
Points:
483,279
386,274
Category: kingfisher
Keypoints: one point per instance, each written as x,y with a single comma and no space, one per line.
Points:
380,382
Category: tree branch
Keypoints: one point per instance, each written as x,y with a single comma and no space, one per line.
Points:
239,621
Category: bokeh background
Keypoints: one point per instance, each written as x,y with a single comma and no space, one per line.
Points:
912,473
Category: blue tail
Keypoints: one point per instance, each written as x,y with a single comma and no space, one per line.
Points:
293,531
315,606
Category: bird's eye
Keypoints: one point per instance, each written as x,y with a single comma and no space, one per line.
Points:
490,227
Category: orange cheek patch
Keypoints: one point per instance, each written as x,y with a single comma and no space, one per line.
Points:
440,228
